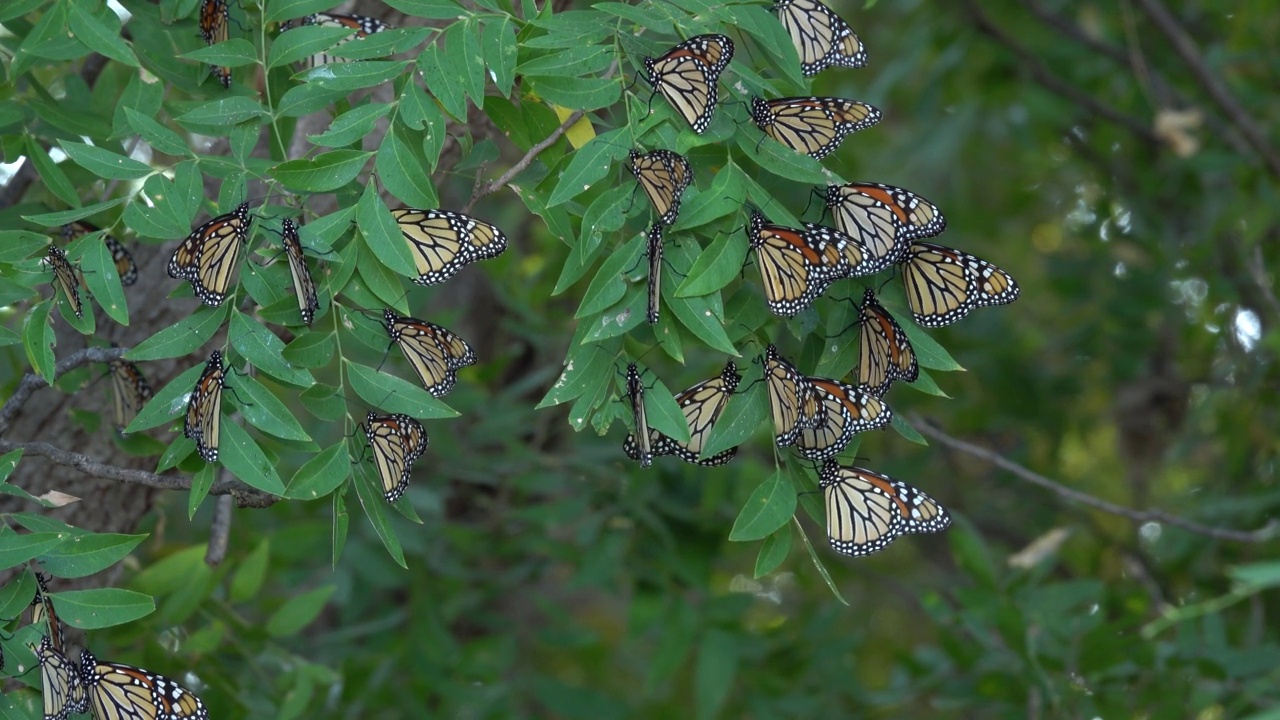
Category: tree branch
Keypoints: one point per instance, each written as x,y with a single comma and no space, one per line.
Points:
524,162
219,530
32,382
1263,534
1186,48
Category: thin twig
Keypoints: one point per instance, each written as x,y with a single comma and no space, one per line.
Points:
1186,48
524,163
1263,534
32,382
219,530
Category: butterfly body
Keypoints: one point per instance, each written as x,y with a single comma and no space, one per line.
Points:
435,352
814,126
209,255
397,441
687,74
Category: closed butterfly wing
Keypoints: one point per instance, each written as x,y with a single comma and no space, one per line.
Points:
884,352
126,268
215,28
303,285
65,278
129,389
821,38
654,251
862,514
61,685
796,266
208,257
793,402
397,441
885,218
687,74
203,421
443,242
702,405
664,176
124,692
814,126
435,353
847,411
944,284
639,444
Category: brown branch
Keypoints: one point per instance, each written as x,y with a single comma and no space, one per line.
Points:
1263,534
32,382
1041,73
524,162
219,530
1186,48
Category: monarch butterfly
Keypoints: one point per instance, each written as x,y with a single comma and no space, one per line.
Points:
664,175
944,284
123,692
443,242
435,353
821,38
702,405
639,444
209,255
42,610
884,217
130,390
66,278
686,75
866,510
60,681
796,266
884,352
204,411
362,26
655,271
814,126
848,411
126,268
303,286
793,402
214,26
397,440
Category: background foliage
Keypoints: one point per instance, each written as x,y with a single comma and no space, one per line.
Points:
1127,180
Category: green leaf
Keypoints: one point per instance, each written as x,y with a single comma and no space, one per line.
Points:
266,412
341,522
462,52
299,611
156,135
715,267
223,112
735,427
577,93
102,608
375,508
351,126
783,162
907,431
62,217
100,38
382,234
429,9
302,42
54,179
168,402
401,170
38,340
103,279
822,569
87,554
323,173
393,395
236,52
586,366
713,674
104,163
249,576
320,475
278,10
18,549
500,50
8,462
590,163
310,350
664,413
354,75
704,316
773,551
610,282
266,351
770,506
21,244
445,81
241,455
201,483
182,337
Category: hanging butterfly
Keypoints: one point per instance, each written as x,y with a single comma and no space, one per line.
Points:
702,405
215,22
796,266
443,242
65,278
884,352
821,38
209,255
123,692
944,284
686,75
397,440
126,268
664,175
303,286
848,411
638,445
654,251
203,422
42,611
60,683
814,126
885,218
362,26
129,389
435,353
793,401
866,510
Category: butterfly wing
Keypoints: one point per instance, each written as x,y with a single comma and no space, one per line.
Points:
848,411
655,272
884,352
944,284
702,406
60,682
209,255
130,391
795,266
821,37
123,692
203,421
66,279
793,402
664,176
303,285
215,28
126,268
443,242
361,26
639,444
435,353
862,516
687,75
814,126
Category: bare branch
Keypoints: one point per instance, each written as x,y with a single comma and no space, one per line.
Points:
1212,84
244,495
32,382
1263,534
219,530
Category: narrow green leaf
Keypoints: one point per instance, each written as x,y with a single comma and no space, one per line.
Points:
182,337
352,126
610,282
157,136
236,52
8,462
500,51
429,9
770,506
737,426
223,112
201,483
299,612
382,234
249,576
62,217
266,351
320,475
445,82
577,93
103,279
266,412
21,244
100,38
714,672
462,53
168,402
907,431
773,551
325,172
354,75
587,165
822,569
278,10
586,366
391,394
245,459
87,554
664,413
716,266
401,170
38,340
341,522
18,549
375,508
54,179
104,163
302,42
102,608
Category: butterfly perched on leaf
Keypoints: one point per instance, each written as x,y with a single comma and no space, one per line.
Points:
65,278
884,352
203,421
361,26
123,692
687,74
793,401
821,38
944,284
702,405
664,175
215,26
396,440
846,411
814,126
61,685
303,285
797,266
866,510
443,242
209,255
639,444
129,389
654,251
885,218
435,352
126,268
